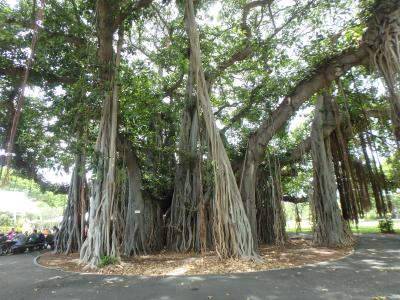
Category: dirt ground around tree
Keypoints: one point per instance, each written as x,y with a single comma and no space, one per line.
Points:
297,252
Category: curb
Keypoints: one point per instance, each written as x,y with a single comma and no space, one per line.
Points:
35,261
316,264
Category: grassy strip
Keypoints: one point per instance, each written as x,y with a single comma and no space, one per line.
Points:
363,227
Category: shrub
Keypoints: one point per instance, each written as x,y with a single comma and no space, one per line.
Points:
6,229
107,260
386,225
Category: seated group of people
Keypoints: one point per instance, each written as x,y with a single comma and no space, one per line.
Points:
18,239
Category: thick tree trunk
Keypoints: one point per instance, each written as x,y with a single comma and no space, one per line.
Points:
232,232
102,239
186,226
135,239
154,225
330,228
248,191
71,235
270,215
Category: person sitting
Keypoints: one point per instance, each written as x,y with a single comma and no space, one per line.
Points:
18,241
11,234
45,231
33,238
50,241
41,238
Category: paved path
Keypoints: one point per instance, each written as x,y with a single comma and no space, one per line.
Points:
372,271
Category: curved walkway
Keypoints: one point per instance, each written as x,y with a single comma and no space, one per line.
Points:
372,272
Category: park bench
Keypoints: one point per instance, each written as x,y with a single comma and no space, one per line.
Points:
30,247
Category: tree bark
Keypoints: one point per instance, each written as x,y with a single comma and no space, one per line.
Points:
330,229
71,235
382,41
271,221
248,191
232,230
186,229
135,239
102,240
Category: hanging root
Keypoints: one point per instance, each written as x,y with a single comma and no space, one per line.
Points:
103,217
383,44
271,222
232,232
185,228
70,237
345,175
330,228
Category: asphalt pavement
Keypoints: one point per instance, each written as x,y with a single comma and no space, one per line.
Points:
372,272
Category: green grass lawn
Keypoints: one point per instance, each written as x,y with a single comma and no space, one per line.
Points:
363,227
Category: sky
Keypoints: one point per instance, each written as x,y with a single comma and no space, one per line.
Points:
17,202
12,3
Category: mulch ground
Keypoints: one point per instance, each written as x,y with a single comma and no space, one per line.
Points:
297,252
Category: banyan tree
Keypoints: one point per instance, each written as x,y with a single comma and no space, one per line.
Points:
192,115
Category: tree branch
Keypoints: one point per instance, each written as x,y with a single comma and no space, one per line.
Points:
295,200
129,10
242,53
327,72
